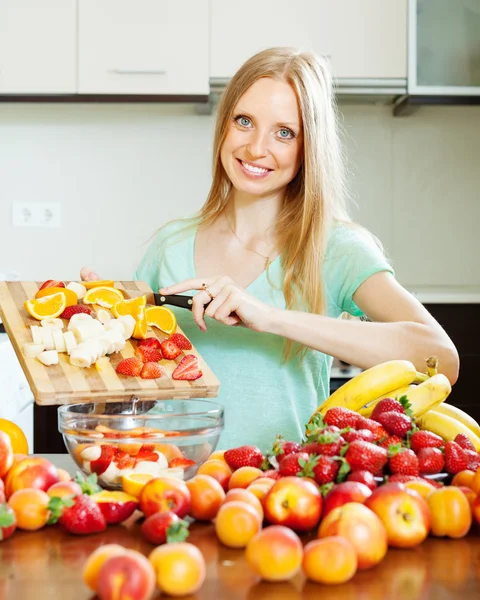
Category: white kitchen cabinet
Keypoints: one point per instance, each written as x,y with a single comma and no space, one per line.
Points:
143,47
37,46
365,39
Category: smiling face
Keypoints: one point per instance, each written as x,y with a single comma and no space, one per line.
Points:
262,150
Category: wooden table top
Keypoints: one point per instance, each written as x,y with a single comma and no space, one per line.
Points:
47,564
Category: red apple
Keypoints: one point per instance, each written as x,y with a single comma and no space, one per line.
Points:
115,506
404,513
348,491
165,493
294,503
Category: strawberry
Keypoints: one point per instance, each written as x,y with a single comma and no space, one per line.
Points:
366,456
147,453
395,423
341,417
164,527
243,456
8,521
430,461
272,474
123,460
391,440
180,341
188,368
51,283
402,461
378,431
293,463
169,350
363,477
80,515
325,469
387,405
425,439
360,434
75,310
102,463
151,370
455,458
149,354
401,478
327,443
473,459
464,441
130,366
282,448
149,342
183,463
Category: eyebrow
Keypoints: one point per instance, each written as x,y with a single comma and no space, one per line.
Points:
279,124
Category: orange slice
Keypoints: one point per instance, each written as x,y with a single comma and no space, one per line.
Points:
99,283
47,307
103,296
133,484
129,307
140,330
161,317
70,296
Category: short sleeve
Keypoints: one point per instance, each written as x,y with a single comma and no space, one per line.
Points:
352,257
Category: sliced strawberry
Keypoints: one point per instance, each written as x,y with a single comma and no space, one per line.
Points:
147,448
146,452
102,463
183,463
75,310
188,369
151,370
130,366
180,341
150,342
51,283
148,354
125,462
169,350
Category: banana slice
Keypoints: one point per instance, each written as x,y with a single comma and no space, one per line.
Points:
37,336
32,350
59,341
113,340
78,288
76,319
48,357
86,353
47,339
70,341
129,325
52,323
103,315
88,329
117,325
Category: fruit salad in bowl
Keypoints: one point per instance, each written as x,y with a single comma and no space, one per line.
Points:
151,437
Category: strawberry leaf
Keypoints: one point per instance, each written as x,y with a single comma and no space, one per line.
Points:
177,532
343,471
89,485
56,507
6,518
325,488
344,449
406,405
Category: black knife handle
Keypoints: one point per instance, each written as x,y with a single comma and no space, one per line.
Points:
174,300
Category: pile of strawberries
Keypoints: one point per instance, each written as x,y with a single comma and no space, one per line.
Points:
344,445
151,350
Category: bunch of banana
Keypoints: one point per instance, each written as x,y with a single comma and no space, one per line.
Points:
448,427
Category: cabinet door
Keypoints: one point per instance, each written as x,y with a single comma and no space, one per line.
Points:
37,46
143,47
364,39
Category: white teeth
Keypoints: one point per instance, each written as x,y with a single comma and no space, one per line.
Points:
254,169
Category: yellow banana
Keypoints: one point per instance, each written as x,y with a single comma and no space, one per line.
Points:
432,369
370,384
446,427
459,415
366,411
429,394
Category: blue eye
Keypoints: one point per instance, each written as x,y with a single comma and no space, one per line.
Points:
243,121
286,134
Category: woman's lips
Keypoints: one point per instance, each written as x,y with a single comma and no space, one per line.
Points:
253,171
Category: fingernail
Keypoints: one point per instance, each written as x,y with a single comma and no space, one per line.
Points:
163,290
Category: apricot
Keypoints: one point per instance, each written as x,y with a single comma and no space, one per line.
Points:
179,568
206,496
260,487
475,482
450,512
6,453
94,563
469,493
245,496
170,451
165,493
237,523
218,455
31,472
218,469
64,488
329,560
275,553
464,477
127,576
421,487
31,508
243,477
64,475
476,510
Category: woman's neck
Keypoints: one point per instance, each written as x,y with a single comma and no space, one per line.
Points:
252,217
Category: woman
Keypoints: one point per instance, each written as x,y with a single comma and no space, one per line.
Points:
273,250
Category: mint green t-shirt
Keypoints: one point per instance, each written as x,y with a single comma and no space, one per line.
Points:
262,395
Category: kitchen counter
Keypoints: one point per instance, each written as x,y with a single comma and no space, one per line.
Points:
48,564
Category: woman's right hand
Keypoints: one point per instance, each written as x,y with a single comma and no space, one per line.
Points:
87,274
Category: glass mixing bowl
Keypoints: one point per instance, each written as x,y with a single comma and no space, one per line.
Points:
155,437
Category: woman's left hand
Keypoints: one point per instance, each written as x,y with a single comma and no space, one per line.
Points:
227,302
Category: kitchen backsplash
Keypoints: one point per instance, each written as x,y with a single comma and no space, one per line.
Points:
121,171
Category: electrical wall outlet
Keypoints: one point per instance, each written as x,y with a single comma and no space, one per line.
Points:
36,214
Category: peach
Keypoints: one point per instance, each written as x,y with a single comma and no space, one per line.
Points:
218,469
64,488
450,512
260,487
170,451
237,523
95,561
206,495
31,508
243,477
469,493
330,560
128,575
31,472
464,477
293,502
218,455
64,475
115,506
275,553
165,493
179,568
245,496
6,453
362,528
476,510
420,486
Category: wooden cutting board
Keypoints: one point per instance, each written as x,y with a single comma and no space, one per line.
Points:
65,384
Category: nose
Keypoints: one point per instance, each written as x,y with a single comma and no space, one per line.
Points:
258,144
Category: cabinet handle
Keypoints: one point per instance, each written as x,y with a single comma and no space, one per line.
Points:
138,71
